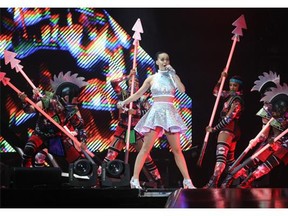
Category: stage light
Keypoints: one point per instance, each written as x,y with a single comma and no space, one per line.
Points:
82,167
83,173
115,173
115,168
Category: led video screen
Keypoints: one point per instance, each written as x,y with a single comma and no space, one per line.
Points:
86,41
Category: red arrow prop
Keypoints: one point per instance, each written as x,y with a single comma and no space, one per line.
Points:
258,153
78,145
9,57
239,23
137,28
268,145
250,146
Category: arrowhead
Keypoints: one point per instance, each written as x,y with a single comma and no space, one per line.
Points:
137,36
138,26
237,31
2,75
5,81
240,22
8,56
14,63
18,68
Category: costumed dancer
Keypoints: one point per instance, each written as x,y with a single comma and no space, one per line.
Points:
162,118
263,84
61,105
277,152
228,127
139,108
42,155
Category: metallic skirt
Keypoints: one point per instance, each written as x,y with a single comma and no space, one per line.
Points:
164,115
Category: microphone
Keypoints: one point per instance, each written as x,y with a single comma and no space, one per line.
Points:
170,68
171,71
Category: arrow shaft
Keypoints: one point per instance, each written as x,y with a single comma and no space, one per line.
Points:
250,146
217,102
76,142
28,79
135,54
131,103
203,150
128,138
264,128
258,153
239,159
280,135
231,54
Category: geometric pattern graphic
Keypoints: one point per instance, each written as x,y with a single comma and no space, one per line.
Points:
86,41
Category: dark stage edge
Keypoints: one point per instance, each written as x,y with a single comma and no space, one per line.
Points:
84,198
151,198
229,198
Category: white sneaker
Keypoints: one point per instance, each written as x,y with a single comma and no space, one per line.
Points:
187,184
134,183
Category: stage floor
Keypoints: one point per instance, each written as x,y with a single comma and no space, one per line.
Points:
150,198
229,198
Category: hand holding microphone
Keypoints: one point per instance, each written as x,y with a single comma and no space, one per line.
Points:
172,73
170,69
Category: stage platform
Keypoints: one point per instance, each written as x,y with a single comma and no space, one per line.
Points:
150,198
84,198
229,198
48,188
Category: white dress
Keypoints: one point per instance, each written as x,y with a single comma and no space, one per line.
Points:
161,114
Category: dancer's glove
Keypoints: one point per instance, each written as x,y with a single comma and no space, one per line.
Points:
121,105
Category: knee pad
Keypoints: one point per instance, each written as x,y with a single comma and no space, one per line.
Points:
29,149
221,152
272,162
230,157
266,167
150,165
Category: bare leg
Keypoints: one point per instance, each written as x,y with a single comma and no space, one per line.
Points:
144,152
174,141
150,169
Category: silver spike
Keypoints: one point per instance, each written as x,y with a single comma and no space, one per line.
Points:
265,78
67,77
269,95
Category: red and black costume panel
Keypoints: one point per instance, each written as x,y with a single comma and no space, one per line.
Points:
47,135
